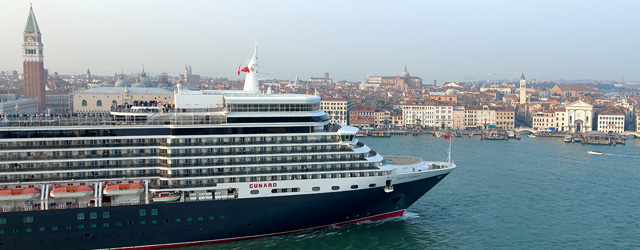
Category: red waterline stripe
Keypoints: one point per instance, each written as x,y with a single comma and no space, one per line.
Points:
372,218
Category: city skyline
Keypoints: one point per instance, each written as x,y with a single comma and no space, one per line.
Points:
459,41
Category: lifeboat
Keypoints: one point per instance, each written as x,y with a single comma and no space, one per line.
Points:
71,191
12,194
123,189
165,197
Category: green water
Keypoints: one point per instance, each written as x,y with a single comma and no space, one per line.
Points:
535,193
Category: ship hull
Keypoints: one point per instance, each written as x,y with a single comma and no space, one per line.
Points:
191,223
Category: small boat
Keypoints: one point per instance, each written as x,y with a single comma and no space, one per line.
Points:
71,191
577,139
470,134
517,137
12,194
532,135
594,152
165,197
511,134
567,138
123,189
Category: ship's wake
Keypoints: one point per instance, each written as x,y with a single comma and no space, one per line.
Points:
634,156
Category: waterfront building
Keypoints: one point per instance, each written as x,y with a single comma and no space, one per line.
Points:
382,118
579,116
637,128
396,119
611,122
561,116
505,118
337,109
486,117
34,75
362,116
427,114
544,120
523,90
59,102
471,116
101,99
458,117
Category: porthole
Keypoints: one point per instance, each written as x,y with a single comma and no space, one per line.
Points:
255,191
315,189
354,186
335,188
372,185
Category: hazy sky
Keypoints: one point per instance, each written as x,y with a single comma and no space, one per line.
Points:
443,40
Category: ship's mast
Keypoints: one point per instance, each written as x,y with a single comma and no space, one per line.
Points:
251,83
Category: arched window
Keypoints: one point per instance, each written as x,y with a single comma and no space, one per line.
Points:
99,103
84,103
114,103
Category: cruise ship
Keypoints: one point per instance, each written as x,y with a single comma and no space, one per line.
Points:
213,166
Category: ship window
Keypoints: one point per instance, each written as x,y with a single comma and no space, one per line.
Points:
105,215
118,224
372,185
335,188
315,188
80,226
67,227
80,216
3,221
27,219
354,186
94,225
130,222
15,231
142,222
211,217
255,191
154,222
1,231
54,228
189,219
154,211
200,218
93,215
143,212
178,220
222,217
105,224
28,230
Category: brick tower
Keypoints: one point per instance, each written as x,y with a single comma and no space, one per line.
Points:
33,62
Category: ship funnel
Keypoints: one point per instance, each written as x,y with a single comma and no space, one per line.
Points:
251,83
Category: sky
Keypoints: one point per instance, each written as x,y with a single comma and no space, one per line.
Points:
441,40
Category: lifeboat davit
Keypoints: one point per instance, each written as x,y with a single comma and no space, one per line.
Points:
12,194
71,191
123,189
165,197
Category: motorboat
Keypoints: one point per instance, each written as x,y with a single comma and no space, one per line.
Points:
532,136
594,152
568,138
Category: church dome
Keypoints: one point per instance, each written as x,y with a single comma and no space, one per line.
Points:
121,82
142,78
451,92
544,94
139,85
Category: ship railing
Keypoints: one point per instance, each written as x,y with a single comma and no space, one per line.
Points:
232,163
78,178
253,152
222,143
301,171
70,157
13,168
86,145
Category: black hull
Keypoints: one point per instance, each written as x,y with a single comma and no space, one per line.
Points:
187,223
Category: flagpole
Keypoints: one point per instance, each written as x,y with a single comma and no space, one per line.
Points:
449,158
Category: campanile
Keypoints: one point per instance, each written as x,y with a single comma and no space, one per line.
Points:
33,62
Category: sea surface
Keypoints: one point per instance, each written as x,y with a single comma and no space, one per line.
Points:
535,193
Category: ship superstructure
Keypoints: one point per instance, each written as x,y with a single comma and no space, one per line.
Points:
212,166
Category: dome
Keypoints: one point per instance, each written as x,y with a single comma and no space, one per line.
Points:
451,92
544,93
139,85
404,73
121,82
142,78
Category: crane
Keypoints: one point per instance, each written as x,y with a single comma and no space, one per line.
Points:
495,74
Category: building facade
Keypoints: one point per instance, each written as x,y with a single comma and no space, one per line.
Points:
100,100
362,116
579,116
505,118
611,122
337,109
34,76
428,115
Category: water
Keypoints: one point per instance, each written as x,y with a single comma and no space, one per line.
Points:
536,193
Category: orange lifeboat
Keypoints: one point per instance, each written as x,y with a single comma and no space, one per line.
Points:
112,189
71,191
12,194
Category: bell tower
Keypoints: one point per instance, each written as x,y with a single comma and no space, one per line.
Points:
33,61
523,90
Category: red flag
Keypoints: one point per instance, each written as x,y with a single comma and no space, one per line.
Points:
448,137
239,66
245,69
